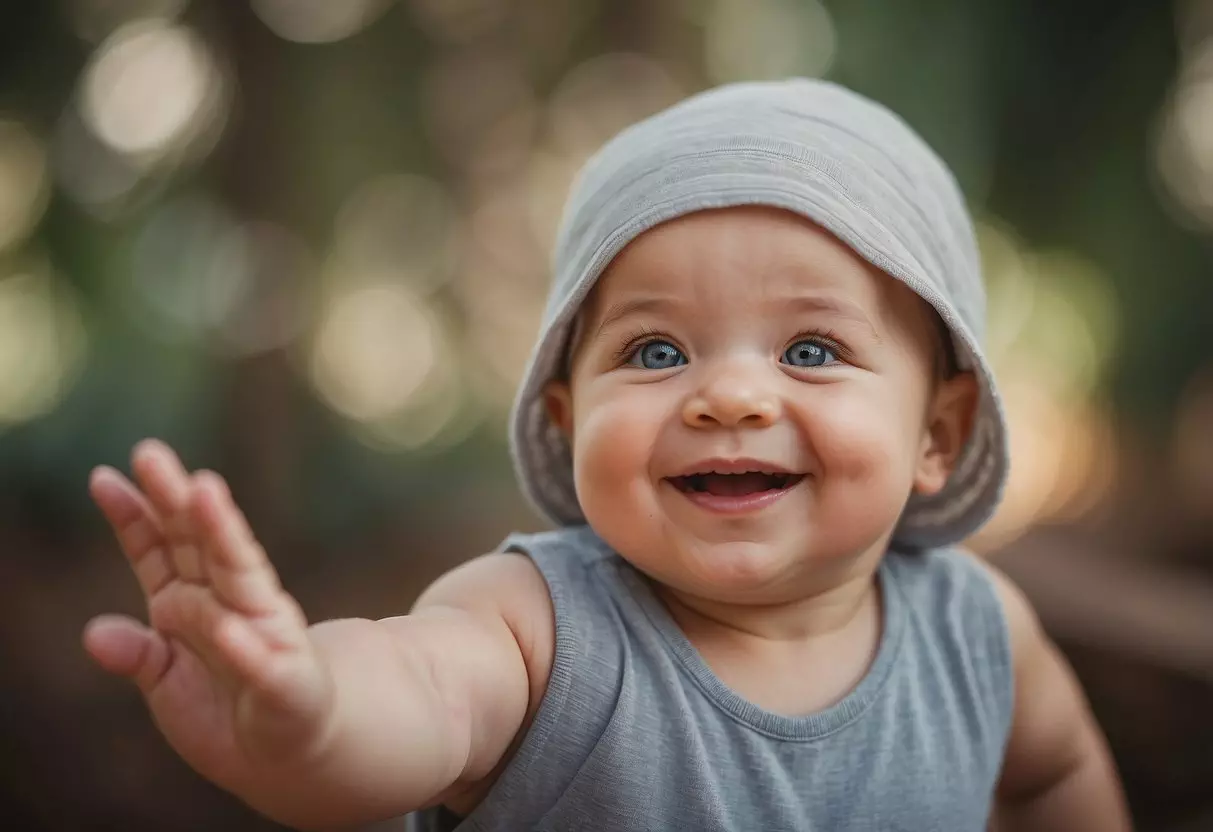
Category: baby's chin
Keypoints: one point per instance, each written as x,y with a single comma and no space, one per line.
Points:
729,571
745,562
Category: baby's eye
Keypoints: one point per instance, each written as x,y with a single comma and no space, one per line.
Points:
657,355
808,354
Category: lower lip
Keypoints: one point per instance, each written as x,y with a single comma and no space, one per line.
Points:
740,504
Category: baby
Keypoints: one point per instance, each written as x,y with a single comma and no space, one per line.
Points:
760,416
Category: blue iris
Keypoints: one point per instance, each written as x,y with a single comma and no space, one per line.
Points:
808,354
658,355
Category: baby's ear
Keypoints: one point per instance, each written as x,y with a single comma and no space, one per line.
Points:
558,399
949,422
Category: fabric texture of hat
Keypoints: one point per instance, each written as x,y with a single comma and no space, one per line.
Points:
816,149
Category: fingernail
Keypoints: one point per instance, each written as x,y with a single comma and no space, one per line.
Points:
208,480
148,444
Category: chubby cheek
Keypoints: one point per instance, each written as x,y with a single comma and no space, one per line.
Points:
865,448
613,446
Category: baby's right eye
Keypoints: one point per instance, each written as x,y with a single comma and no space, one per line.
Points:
657,355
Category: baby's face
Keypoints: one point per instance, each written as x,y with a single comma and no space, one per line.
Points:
751,403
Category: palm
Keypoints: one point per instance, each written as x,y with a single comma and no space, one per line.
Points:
226,667
196,715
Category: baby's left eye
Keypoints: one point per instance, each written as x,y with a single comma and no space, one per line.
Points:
808,354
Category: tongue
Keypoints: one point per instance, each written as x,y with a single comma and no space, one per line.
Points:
737,485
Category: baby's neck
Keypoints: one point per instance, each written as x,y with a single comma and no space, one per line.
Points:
817,613
761,651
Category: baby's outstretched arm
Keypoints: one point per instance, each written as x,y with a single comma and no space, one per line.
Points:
1058,773
329,726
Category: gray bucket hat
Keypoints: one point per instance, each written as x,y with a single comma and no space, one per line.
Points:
811,147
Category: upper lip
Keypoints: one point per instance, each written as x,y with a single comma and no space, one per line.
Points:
721,465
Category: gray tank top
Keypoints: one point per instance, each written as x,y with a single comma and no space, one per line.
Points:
635,731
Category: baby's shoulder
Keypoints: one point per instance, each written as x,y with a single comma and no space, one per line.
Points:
489,584
534,582
503,586
524,568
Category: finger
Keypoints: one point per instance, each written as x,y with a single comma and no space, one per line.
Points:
287,681
136,526
168,486
193,556
235,563
206,475
203,623
124,647
226,529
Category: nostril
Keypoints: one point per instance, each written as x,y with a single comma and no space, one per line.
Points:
734,407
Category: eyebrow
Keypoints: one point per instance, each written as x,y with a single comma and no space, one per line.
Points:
633,306
823,304
831,305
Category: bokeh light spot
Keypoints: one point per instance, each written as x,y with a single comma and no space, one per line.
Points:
375,349
1064,461
768,39
23,182
1183,148
42,342
188,263
1052,331
150,90
401,224
604,95
318,21
200,274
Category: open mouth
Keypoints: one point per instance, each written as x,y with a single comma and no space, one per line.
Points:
742,484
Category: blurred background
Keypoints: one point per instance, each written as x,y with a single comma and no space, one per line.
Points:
306,241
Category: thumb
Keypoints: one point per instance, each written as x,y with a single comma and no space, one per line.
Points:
123,646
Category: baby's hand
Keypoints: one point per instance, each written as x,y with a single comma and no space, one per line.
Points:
226,667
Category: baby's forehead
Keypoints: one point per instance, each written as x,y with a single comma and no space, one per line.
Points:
741,256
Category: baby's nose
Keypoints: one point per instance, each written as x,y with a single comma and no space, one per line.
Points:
733,398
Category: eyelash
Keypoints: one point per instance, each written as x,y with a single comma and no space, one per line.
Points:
638,339
827,338
644,336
